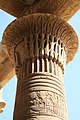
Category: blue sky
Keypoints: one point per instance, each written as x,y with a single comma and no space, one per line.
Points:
71,77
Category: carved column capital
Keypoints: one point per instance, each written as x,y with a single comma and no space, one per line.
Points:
41,23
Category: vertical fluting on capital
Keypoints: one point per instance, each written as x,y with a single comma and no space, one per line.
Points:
40,45
2,102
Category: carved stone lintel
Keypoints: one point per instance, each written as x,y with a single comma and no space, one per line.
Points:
62,8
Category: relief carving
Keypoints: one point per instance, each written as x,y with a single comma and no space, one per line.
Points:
46,102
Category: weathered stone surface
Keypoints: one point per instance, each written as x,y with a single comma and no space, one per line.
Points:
64,9
40,45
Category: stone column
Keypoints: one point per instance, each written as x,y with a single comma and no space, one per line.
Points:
2,103
40,46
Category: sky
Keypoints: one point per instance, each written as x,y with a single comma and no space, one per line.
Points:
71,77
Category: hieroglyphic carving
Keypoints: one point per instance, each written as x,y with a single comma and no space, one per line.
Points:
43,103
46,102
